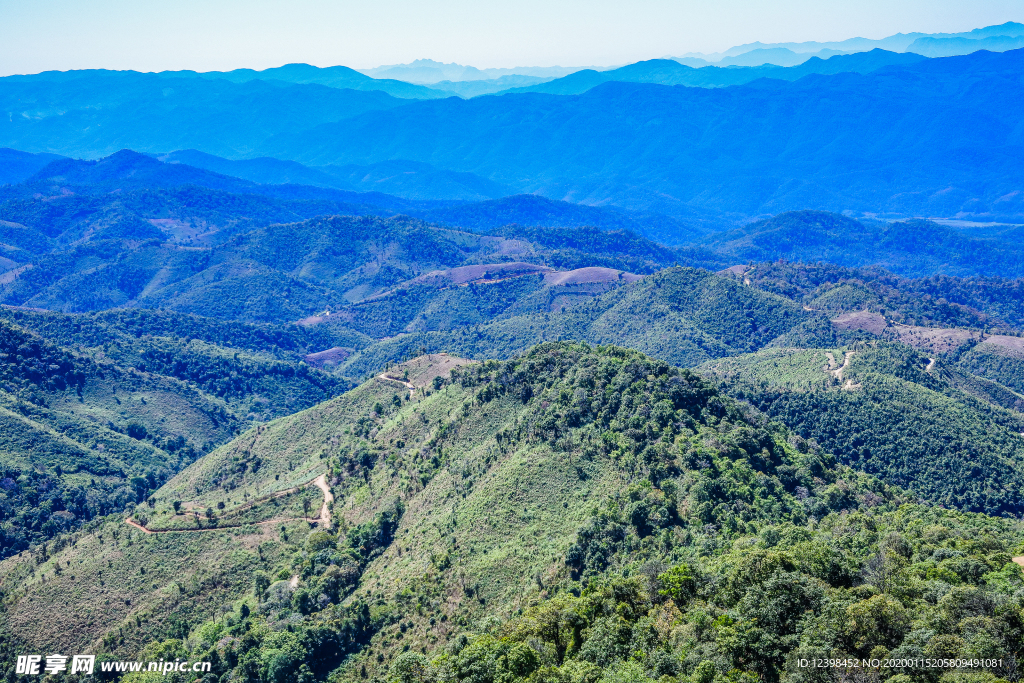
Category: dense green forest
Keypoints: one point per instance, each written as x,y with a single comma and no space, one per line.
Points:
894,413
576,515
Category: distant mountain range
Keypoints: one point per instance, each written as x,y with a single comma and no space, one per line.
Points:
900,42
894,142
409,179
671,72
16,166
129,188
333,76
442,76
915,247
876,133
95,113
428,72
134,196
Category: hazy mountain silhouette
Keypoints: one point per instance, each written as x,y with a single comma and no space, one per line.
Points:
671,72
900,42
409,179
332,76
95,113
912,138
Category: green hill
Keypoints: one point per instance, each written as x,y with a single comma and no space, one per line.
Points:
682,315
575,514
288,271
99,410
934,301
888,410
998,358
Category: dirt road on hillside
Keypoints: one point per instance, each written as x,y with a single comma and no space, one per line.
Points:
384,377
325,509
324,519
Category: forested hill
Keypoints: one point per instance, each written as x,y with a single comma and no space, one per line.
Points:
938,301
99,411
577,514
349,295
210,259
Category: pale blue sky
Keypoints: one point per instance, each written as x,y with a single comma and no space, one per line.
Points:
152,35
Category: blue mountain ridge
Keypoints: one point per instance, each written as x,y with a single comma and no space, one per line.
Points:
671,72
935,138
919,138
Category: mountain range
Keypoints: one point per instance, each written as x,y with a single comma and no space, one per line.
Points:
671,72
759,148
900,42
793,138
655,374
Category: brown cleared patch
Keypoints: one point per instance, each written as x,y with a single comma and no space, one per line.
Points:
582,276
933,339
481,273
12,275
1003,345
504,246
738,271
860,320
24,308
936,339
423,369
179,230
331,356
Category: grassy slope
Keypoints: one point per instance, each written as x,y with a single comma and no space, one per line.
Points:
520,494
111,588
